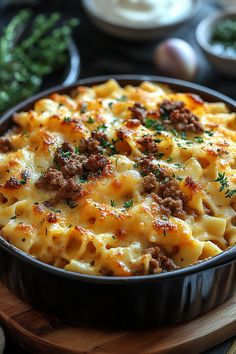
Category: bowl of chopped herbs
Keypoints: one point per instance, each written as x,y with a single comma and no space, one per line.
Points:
36,52
216,36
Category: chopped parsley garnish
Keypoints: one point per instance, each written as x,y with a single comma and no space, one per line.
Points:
77,150
113,148
102,127
157,173
174,132
104,143
183,135
122,99
152,123
159,156
179,178
110,104
82,179
23,180
83,107
113,203
230,193
209,132
67,119
24,132
24,177
157,141
65,154
55,210
198,139
179,165
222,179
165,116
71,203
90,120
170,159
166,180
128,204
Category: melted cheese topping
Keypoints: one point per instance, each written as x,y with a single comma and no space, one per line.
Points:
108,229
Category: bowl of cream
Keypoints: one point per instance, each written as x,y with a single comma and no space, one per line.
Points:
140,19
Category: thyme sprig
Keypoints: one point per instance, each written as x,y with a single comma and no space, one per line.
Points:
223,180
24,62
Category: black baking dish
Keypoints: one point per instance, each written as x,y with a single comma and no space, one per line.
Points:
139,301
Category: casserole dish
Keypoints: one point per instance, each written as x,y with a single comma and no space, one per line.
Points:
138,301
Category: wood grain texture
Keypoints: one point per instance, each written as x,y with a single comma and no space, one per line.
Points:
41,333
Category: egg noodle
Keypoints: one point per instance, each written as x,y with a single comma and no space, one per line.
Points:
120,181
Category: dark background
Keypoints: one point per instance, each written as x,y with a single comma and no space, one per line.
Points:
102,54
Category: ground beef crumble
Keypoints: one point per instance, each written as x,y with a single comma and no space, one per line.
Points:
172,200
180,117
146,164
133,123
96,163
94,143
166,192
51,180
12,183
71,190
167,106
148,144
51,218
184,120
67,161
150,184
172,113
160,262
138,112
69,168
5,145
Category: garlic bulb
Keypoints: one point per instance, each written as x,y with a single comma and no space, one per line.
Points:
176,58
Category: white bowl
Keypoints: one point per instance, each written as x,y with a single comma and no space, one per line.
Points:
223,63
139,33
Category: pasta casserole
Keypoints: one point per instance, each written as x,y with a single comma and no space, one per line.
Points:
120,181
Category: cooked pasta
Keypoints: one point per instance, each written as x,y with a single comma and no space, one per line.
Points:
120,181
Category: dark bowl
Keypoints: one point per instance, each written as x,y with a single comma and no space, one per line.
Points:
134,302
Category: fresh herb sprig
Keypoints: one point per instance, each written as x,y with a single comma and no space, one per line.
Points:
223,180
128,204
24,63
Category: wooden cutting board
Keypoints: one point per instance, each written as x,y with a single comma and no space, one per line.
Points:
38,332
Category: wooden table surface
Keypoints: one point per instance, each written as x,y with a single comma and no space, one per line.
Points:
102,55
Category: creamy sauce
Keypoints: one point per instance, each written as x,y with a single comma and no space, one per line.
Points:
140,13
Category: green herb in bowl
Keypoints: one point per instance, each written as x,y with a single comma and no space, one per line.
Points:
223,37
26,58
